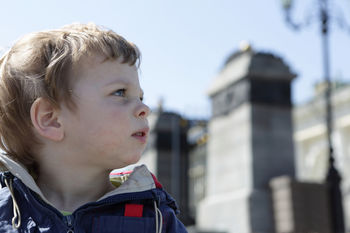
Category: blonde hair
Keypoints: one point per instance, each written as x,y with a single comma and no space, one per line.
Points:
38,65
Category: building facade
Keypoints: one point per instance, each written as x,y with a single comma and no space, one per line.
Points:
311,140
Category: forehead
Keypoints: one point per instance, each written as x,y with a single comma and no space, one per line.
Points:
104,71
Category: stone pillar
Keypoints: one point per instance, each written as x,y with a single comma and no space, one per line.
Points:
250,142
300,207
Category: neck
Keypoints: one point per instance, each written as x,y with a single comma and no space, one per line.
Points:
68,188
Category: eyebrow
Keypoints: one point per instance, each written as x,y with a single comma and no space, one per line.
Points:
117,82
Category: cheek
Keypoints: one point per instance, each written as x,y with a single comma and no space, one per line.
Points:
119,118
106,123
111,128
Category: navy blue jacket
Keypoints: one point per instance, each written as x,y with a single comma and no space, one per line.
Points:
139,205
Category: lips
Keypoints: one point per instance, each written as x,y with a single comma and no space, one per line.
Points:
141,135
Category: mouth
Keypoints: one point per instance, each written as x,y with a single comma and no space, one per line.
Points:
141,135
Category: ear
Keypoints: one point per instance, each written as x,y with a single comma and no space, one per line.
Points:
45,119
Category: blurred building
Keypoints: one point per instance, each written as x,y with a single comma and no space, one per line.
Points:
257,165
197,139
311,139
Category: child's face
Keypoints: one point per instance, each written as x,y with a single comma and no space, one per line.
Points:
109,127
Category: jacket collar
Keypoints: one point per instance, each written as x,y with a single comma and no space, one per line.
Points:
140,179
21,173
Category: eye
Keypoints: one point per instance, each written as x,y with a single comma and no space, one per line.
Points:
120,92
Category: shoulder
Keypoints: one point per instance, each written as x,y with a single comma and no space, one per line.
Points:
5,207
166,201
5,197
169,210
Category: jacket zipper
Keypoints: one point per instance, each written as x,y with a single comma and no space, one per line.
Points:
69,221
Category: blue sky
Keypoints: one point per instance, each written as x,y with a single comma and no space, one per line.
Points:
184,43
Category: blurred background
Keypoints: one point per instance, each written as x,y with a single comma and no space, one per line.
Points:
239,124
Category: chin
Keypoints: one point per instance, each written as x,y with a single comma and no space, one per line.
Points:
132,160
135,160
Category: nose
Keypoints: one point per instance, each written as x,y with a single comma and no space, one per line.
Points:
142,111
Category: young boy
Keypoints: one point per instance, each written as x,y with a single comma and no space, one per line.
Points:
71,111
